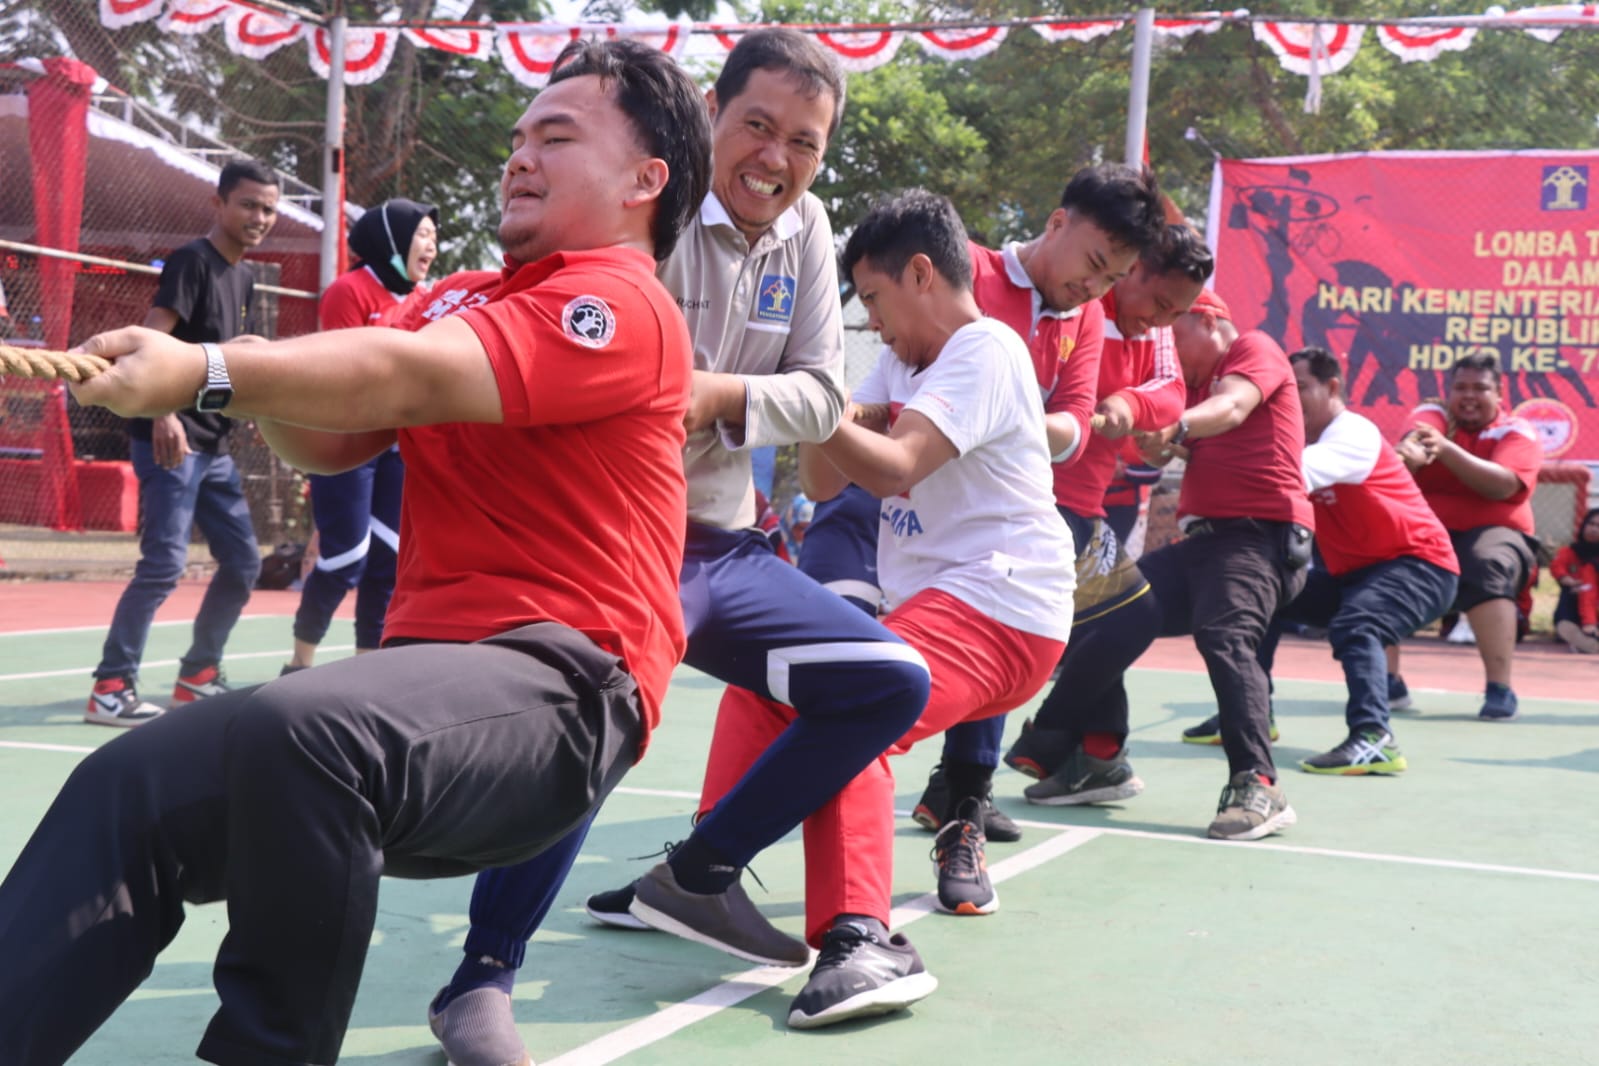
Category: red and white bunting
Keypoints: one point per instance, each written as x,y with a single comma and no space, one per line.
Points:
258,34
719,32
972,43
1293,42
1424,44
671,38
194,16
115,14
474,42
863,51
1077,31
367,52
1576,14
1206,22
529,50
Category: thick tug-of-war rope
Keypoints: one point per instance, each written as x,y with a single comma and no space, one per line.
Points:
44,363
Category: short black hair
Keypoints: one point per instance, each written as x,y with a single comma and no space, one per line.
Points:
1180,250
905,224
243,170
1323,364
785,51
1477,361
668,117
1123,202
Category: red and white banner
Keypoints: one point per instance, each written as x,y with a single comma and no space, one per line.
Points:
115,14
476,42
529,51
860,52
970,43
1078,31
1401,263
1574,14
1424,45
194,16
671,38
1209,22
1296,44
367,52
257,34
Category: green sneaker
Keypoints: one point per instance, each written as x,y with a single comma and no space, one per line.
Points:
1370,751
1209,731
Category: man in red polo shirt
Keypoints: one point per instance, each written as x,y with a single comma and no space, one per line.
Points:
1478,466
533,631
1388,566
1248,524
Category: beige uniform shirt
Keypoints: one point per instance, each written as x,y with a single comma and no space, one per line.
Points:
771,315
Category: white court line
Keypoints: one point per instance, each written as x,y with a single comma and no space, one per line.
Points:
101,628
44,747
84,670
679,1016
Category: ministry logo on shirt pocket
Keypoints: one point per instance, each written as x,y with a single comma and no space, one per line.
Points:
775,301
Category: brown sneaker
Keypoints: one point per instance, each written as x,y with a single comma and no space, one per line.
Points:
1250,810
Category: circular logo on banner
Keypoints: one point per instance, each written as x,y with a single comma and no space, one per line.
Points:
1555,422
589,321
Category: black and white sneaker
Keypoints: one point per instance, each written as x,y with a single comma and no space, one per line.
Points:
725,920
115,702
1084,780
611,908
860,974
929,810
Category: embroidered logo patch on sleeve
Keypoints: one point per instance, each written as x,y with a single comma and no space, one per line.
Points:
588,321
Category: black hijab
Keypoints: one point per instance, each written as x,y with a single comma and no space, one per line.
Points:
381,239
1587,551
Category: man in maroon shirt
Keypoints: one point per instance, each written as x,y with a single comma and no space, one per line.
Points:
1477,465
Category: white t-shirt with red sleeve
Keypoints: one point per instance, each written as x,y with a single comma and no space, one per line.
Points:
1368,508
1252,470
1509,441
982,527
574,509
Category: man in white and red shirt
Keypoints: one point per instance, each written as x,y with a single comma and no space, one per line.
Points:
1388,566
1047,289
534,627
1477,465
1075,743
1248,524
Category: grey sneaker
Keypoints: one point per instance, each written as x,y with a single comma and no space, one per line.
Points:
1085,779
727,921
477,1029
1250,810
858,974
611,908
961,866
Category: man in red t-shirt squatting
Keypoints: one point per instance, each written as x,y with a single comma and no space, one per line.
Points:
1248,524
1478,466
534,627
1388,567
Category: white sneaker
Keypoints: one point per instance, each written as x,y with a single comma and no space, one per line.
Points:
1462,633
116,702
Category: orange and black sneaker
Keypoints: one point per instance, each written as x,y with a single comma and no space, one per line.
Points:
960,865
208,681
115,702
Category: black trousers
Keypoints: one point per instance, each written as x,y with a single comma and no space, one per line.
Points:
289,801
1223,586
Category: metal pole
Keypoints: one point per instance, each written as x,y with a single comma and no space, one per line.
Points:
1138,93
333,155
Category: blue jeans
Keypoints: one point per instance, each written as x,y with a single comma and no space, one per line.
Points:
1365,611
204,490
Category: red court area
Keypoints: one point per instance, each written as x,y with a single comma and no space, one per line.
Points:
1543,670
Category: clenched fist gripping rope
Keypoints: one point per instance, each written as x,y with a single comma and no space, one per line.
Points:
44,363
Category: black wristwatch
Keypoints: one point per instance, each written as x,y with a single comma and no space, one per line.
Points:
217,392
1182,431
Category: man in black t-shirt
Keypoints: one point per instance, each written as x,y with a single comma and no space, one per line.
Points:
186,475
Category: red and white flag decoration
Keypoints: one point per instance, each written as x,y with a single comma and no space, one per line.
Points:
1294,42
115,14
862,51
671,38
258,34
1576,14
1086,30
468,42
367,51
1205,22
529,50
967,43
194,16
1423,43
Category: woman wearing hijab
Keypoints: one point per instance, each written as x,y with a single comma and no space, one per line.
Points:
358,512
1576,567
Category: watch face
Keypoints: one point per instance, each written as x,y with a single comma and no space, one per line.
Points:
212,400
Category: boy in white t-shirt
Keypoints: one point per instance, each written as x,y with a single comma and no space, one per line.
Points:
975,566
